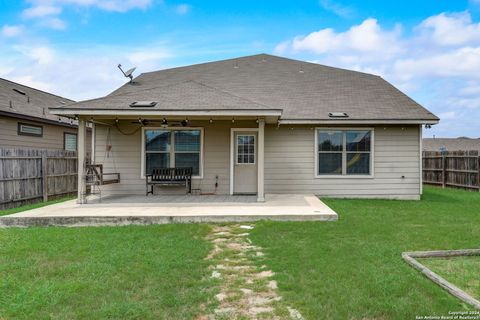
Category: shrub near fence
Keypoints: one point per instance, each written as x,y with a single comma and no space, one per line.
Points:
460,169
32,175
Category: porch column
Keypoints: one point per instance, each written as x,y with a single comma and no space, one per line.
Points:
261,160
81,187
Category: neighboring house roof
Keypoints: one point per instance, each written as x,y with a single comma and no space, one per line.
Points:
24,102
451,144
303,91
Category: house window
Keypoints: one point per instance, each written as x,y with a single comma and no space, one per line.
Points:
26,129
344,152
246,149
70,141
178,148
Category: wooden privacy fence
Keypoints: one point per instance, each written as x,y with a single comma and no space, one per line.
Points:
459,169
32,175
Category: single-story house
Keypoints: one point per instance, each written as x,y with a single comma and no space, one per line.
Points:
25,121
451,144
258,124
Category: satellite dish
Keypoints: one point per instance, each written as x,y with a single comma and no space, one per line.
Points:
127,74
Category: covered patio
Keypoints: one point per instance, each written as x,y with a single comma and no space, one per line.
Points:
124,210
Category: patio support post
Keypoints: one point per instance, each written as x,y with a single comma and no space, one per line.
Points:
261,160
81,188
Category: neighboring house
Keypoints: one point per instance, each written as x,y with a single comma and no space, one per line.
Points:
451,144
260,124
26,122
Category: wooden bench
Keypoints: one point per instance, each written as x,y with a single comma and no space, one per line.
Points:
96,177
169,177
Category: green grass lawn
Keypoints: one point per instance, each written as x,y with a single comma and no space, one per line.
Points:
349,269
33,206
352,268
464,272
152,272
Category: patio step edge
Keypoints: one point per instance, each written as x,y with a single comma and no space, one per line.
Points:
86,221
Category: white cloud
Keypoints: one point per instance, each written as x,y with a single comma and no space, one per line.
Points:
108,5
337,8
29,81
147,57
182,9
41,55
41,11
449,115
452,29
472,88
367,37
78,73
462,62
53,23
11,31
48,11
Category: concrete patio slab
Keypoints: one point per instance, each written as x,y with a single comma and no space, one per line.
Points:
116,210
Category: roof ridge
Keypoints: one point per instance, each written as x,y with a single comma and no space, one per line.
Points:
39,90
259,55
203,63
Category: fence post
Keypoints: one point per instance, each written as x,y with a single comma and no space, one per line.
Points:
444,170
44,177
478,173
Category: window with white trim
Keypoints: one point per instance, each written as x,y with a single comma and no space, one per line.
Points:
344,152
70,141
26,129
169,148
245,149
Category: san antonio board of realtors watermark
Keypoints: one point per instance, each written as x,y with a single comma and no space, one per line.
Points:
453,315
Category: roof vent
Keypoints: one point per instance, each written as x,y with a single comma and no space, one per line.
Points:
19,91
338,115
143,104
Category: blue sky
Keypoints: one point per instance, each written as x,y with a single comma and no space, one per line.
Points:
429,49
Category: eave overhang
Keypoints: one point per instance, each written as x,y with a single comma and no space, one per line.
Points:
164,112
357,121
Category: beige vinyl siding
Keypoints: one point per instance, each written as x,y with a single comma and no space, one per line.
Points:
290,164
52,135
125,157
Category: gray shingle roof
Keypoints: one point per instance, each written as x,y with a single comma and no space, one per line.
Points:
26,101
304,91
451,144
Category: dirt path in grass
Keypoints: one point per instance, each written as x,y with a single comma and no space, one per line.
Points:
246,290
